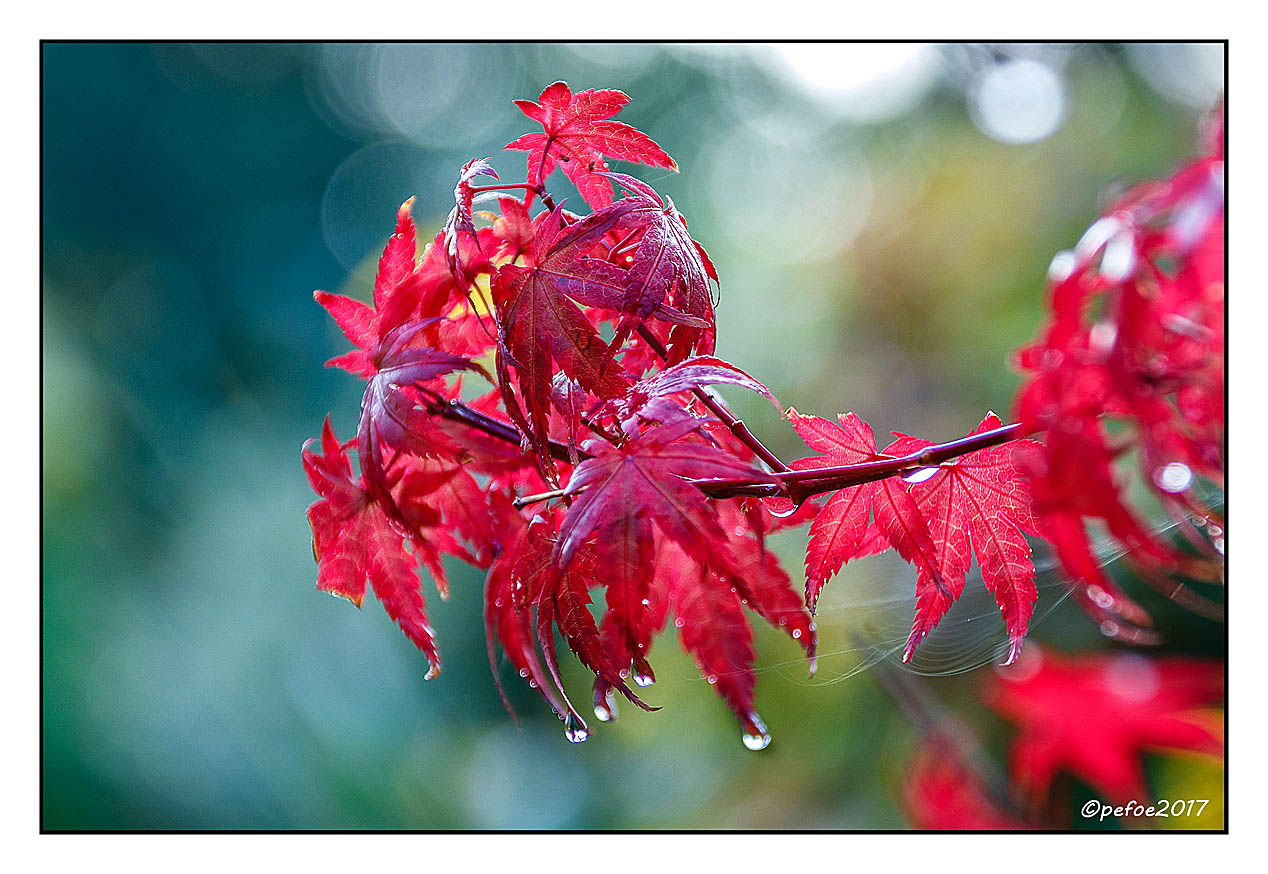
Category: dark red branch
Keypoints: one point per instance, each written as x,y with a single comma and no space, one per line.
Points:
801,484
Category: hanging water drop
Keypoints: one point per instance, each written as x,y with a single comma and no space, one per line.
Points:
644,680
756,737
602,713
1174,477
575,730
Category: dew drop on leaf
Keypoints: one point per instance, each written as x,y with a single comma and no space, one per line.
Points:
921,475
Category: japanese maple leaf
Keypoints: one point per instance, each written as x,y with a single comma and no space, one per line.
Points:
667,267
839,531
713,628
763,585
389,416
561,598
353,542
578,133
541,325
460,221
395,299
1093,717
978,504
508,622
648,478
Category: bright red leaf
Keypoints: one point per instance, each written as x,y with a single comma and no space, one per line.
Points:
353,543
578,133
979,505
839,531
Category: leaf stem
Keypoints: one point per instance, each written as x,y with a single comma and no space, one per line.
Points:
720,409
525,500
457,411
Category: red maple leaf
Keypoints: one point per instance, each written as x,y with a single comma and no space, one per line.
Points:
839,531
395,300
703,566
647,478
979,505
389,414
1093,716
353,543
578,133
541,324
667,267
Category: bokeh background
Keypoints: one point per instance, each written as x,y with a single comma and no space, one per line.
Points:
882,217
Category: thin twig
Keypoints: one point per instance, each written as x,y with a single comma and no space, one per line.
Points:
719,408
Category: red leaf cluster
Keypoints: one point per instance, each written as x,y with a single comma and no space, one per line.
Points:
604,487
1131,363
523,298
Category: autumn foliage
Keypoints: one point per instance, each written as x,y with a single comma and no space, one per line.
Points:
538,404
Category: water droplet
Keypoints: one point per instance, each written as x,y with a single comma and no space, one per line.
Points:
1100,597
1174,477
1102,336
921,475
796,635
757,737
1218,543
678,623
713,679
602,713
1097,235
643,680
524,672
1119,259
646,603
1109,628
575,730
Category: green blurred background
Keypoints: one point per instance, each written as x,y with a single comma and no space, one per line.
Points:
882,217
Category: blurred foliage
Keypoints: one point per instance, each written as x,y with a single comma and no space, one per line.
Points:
876,259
